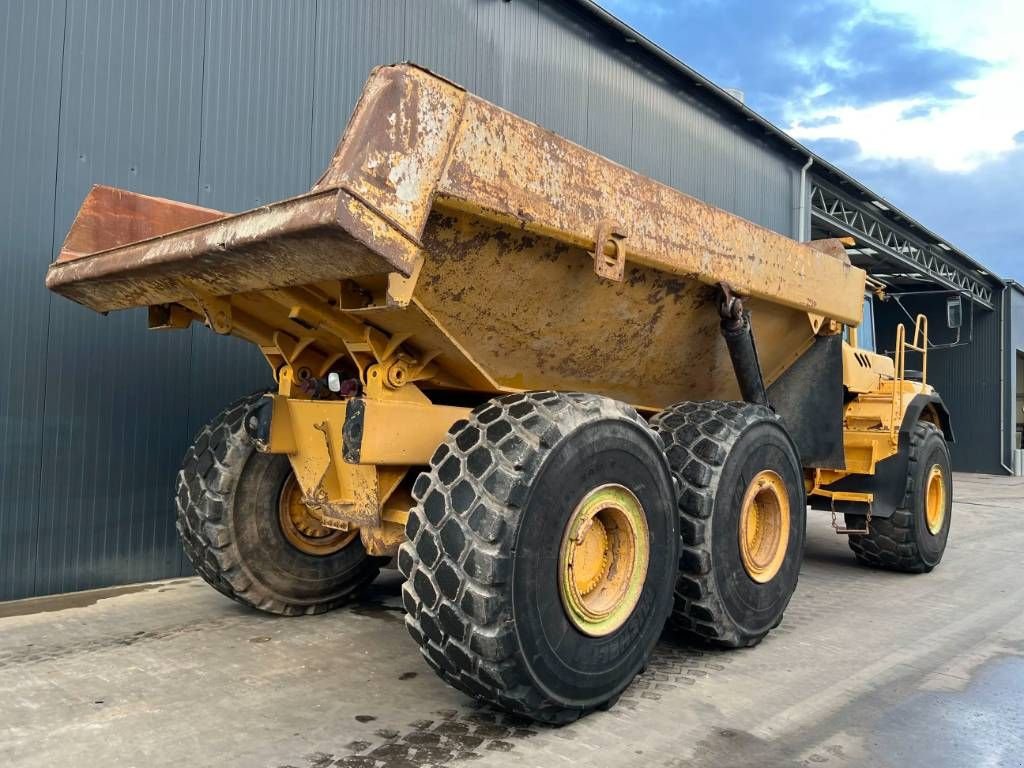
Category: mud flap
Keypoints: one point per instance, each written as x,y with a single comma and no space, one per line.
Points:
809,399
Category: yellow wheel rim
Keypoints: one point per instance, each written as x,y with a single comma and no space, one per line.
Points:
764,526
603,560
303,529
935,500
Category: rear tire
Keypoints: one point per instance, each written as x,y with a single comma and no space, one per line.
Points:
228,496
483,561
905,542
717,450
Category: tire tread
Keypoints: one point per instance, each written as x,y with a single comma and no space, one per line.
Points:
204,488
890,543
699,436
458,607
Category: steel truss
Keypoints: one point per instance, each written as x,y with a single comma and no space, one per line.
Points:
830,207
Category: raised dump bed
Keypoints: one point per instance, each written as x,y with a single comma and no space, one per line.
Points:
450,254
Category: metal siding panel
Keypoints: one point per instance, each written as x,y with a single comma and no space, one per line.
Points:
258,98
436,36
967,377
563,71
257,103
31,48
112,430
759,186
651,137
351,39
701,162
688,164
611,94
506,55
719,168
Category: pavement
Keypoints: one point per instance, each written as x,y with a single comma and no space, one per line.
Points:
867,669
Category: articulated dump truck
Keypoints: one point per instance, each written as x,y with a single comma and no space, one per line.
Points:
574,404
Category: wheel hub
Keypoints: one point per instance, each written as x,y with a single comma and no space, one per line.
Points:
935,500
764,526
303,529
603,560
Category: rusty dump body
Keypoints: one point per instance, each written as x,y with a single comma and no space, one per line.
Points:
458,316
468,233
452,251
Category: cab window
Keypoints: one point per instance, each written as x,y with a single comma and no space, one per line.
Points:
866,330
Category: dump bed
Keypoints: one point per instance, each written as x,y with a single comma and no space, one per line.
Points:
507,255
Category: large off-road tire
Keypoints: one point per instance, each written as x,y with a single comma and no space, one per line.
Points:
912,540
730,591
488,548
229,520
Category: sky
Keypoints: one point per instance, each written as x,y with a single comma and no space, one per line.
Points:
921,100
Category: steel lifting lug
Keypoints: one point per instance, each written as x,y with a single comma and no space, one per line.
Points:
611,266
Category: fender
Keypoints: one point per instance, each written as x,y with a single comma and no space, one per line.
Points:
889,483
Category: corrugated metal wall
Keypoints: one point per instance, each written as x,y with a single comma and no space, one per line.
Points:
967,376
232,103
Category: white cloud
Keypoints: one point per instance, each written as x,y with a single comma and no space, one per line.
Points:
961,133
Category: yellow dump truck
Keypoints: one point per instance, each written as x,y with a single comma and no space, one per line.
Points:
573,402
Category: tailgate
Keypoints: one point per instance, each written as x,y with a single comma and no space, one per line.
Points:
130,250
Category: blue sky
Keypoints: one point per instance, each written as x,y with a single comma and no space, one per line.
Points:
921,100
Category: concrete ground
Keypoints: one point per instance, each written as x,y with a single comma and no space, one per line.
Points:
868,668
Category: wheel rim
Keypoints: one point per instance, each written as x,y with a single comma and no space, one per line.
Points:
301,527
935,500
603,560
764,526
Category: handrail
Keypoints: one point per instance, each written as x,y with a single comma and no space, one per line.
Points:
920,345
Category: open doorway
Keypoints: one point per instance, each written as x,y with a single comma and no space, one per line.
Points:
1018,405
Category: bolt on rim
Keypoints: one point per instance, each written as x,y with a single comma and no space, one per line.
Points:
764,526
603,560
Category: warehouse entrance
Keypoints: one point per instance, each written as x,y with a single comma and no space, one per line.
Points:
1018,406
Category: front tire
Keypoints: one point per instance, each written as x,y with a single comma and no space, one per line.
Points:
914,538
742,515
239,538
541,553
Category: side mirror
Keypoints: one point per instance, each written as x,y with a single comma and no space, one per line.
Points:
954,312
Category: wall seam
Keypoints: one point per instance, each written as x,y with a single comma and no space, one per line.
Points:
182,559
312,93
49,303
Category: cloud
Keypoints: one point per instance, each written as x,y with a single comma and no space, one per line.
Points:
901,84
919,99
815,54
975,211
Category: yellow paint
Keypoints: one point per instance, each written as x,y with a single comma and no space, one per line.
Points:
764,526
405,433
935,500
872,419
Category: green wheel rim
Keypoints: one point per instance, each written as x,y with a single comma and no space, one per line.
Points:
603,560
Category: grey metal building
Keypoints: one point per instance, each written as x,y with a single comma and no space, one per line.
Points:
233,103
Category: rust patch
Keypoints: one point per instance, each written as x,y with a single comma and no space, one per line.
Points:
111,217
